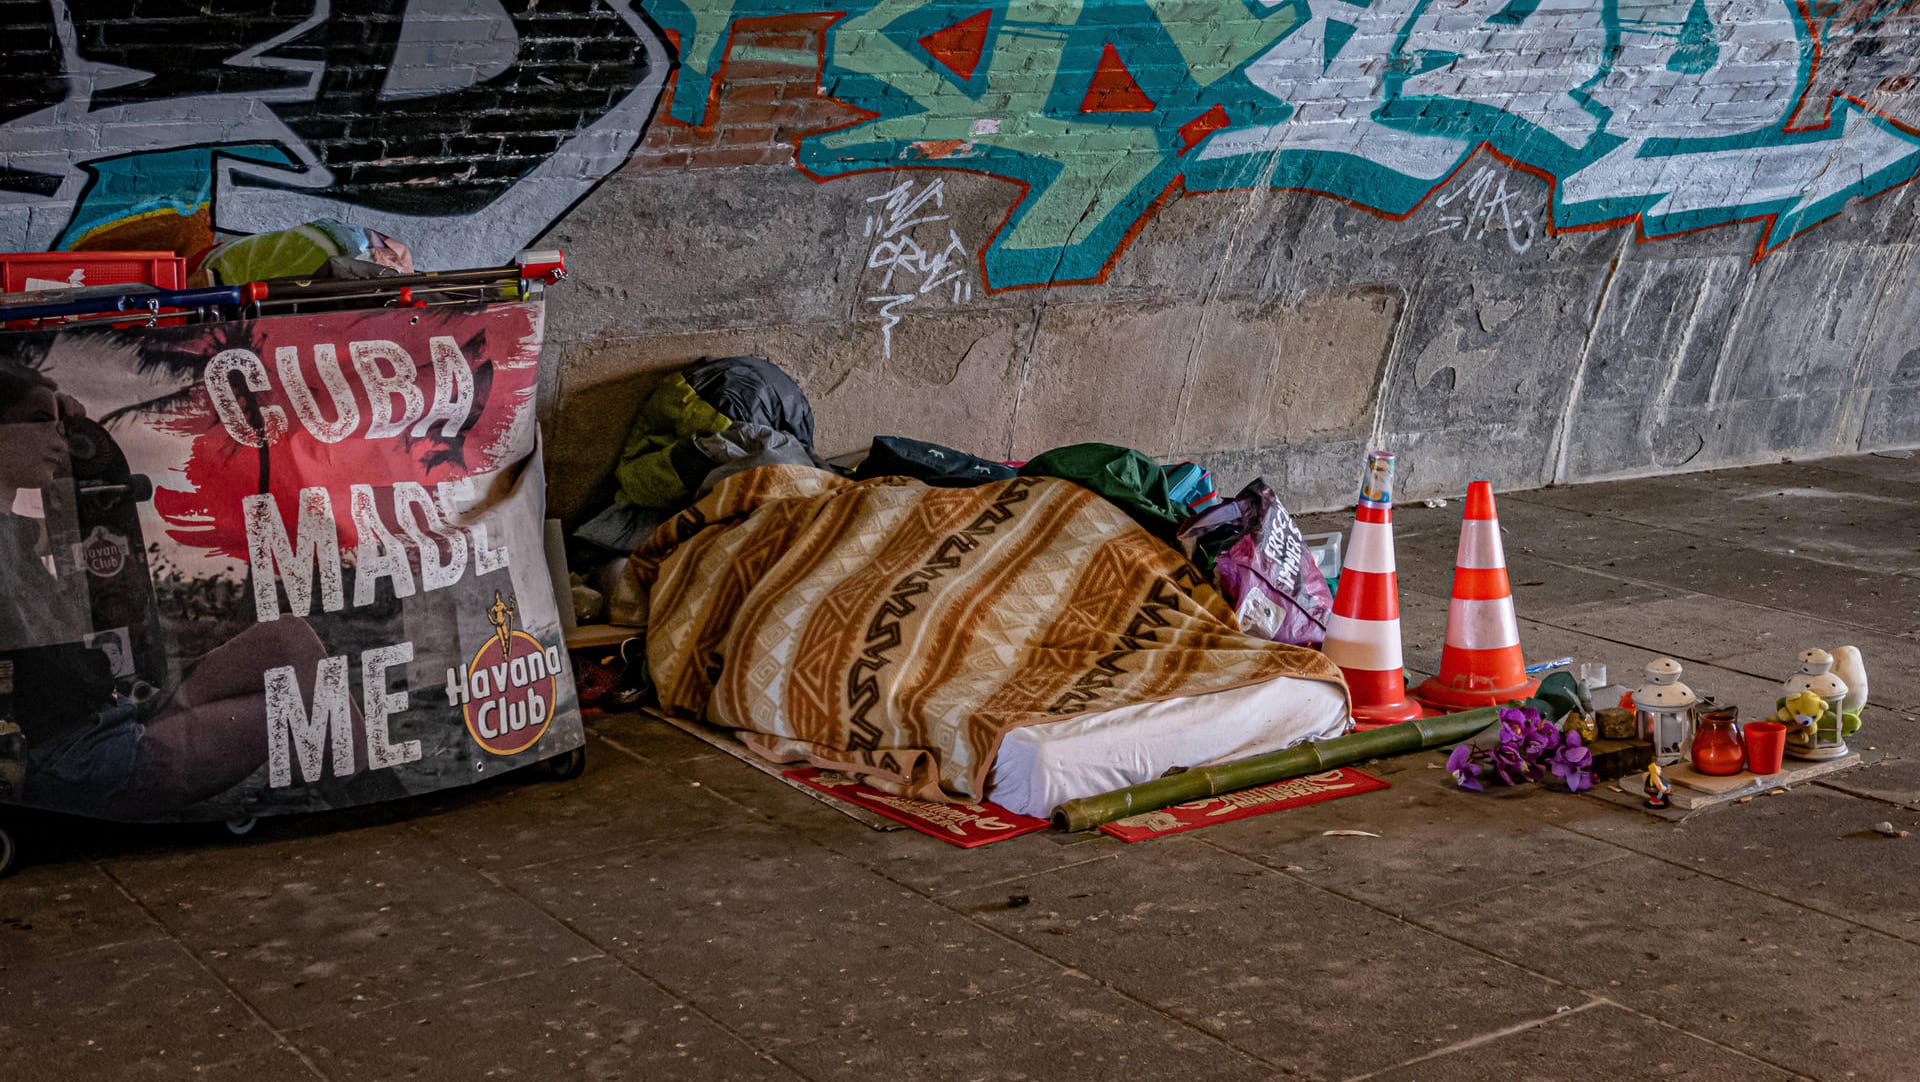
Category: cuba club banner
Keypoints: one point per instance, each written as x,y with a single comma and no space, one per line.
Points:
275,565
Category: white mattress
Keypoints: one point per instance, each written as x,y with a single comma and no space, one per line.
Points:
1040,766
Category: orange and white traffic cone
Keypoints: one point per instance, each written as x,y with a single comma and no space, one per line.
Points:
1363,634
1481,664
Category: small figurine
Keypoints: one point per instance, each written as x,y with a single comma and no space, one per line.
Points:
1658,787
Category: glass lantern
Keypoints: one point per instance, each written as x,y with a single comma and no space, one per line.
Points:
1819,738
1663,711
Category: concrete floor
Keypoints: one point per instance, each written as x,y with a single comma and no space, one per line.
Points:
675,914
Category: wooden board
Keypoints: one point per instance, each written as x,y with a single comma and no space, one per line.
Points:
600,636
1693,791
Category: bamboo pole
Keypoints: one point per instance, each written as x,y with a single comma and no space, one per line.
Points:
1309,758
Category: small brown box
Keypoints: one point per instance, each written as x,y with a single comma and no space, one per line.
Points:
1617,724
1619,758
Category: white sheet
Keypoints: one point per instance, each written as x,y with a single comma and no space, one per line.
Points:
1041,766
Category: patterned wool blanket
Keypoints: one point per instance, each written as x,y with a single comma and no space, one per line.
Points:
898,632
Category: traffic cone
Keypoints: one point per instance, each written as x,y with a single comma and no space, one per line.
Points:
1481,664
1363,634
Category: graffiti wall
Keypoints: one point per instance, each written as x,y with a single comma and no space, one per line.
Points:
928,201
1666,116
467,126
464,126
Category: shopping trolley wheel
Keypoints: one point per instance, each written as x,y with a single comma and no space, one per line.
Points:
242,826
9,853
568,766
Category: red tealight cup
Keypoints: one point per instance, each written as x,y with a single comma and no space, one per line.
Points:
1766,746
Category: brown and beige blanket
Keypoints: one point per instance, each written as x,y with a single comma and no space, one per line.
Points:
898,632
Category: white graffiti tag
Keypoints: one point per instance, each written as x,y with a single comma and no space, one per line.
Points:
908,268
1485,203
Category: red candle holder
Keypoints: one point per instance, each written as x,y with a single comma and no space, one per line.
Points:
1717,747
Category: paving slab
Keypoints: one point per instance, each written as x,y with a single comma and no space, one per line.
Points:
113,843
1600,1043
138,1010
640,733
1755,639
1770,979
1894,779
1893,467
1278,968
902,856
1436,842
526,818
1831,516
1550,591
48,911
591,1020
1625,649
780,939
1653,562
1536,539
1873,600
1065,1029
1626,661
1542,637
729,746
1694,627
315,927
1812,846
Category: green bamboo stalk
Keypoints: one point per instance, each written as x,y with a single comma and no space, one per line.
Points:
1309,758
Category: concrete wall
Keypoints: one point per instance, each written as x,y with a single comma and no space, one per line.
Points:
1529,241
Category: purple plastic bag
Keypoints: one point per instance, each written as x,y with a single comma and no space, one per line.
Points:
1261,565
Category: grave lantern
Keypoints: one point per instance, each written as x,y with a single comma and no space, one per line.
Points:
1819,737
1663,711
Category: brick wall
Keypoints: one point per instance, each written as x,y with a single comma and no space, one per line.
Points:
463,126
760,108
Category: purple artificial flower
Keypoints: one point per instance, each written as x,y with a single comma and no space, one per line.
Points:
1464,770
1529,748
1573,763
1509,765
1539,742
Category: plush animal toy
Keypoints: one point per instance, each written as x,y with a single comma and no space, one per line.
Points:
1849,666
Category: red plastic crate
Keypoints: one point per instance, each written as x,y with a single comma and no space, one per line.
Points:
23,271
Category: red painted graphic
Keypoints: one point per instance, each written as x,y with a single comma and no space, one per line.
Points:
959,47
1202,126
277,406
1113,89
964,825
1244,804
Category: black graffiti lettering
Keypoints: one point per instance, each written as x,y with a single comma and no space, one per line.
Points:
30,70
458,150
412,116
183,47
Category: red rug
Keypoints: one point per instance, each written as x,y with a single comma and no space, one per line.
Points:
964,825
1244,804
